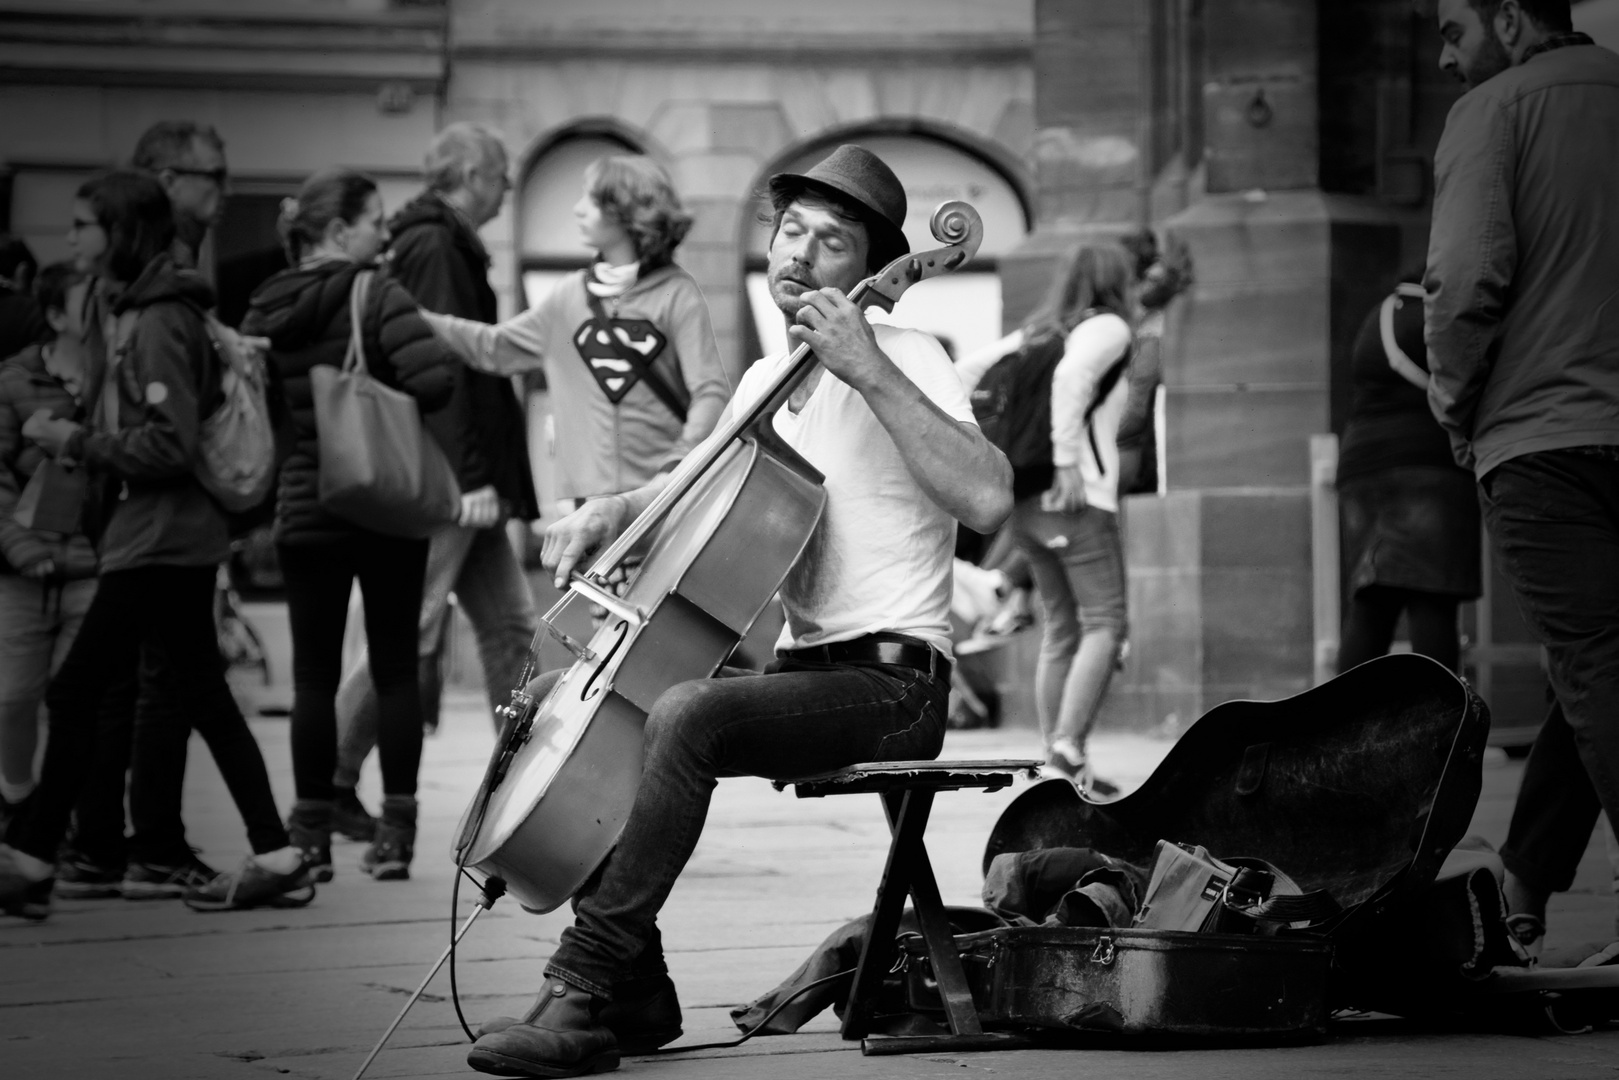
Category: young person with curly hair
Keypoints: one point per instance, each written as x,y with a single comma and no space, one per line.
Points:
619,421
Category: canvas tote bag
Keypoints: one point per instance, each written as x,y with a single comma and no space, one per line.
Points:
379,467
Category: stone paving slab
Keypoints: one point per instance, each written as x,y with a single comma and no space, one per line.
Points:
118,989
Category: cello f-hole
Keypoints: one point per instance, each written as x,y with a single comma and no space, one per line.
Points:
590,689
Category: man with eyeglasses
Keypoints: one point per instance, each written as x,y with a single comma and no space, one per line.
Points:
188,159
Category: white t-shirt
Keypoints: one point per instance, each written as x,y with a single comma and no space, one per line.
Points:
880,559
1092,347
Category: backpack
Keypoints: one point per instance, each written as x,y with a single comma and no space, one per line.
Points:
1012,404
236,461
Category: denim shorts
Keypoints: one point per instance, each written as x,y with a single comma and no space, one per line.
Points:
1077,560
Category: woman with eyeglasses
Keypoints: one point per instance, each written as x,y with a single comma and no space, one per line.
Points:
161,538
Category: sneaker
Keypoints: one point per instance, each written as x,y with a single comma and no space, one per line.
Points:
19,895
251,885
160,881
78,877
1016,614
350,817
1066,759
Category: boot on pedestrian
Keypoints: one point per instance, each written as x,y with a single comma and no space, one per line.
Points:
388,857
310,827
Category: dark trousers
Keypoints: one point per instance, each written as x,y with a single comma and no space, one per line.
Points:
1555,519
157,621
1374,612
797,720
98,816
318,577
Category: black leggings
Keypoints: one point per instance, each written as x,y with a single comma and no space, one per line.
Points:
157,620
318,579
1375,610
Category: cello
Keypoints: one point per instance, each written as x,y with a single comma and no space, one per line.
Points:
718,541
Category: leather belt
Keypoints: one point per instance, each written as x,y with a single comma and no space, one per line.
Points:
878,649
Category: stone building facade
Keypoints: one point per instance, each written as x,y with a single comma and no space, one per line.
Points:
1287,141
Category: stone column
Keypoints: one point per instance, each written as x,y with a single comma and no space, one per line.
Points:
1281,267
1091,115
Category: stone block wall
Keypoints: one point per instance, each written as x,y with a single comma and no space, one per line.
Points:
722,90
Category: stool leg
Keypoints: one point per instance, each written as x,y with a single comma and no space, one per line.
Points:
908,816
959,1006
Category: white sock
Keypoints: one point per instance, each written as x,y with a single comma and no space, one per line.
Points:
281,861
31,868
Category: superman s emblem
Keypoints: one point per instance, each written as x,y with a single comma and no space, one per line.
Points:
615,375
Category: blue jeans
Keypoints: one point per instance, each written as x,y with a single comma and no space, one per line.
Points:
1077,563
479,567
1555,519
797,720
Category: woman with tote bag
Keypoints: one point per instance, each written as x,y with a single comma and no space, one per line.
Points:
334,231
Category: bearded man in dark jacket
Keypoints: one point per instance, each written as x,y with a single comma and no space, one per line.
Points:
437,256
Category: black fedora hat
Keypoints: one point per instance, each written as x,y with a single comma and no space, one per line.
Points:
855,173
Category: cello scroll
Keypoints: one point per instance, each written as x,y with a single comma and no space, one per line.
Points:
955,224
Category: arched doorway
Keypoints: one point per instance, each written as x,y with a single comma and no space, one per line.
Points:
548,244
962,309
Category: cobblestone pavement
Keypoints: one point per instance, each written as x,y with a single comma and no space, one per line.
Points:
119,989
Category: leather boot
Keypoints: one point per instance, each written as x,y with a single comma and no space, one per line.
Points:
561,1036
388,857
643,1015
310,828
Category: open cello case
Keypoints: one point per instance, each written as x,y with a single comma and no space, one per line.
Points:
1360,788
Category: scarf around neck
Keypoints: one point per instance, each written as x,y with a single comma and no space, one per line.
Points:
607,280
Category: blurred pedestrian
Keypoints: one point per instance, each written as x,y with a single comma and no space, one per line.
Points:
1161,274
1065,521
437,256
153,610
47,579
1523,344
334,230
21,322
187,160
1410,517
626,345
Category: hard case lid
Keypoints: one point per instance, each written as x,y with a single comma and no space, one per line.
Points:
1359,786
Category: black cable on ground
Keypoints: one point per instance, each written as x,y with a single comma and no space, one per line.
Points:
771,1015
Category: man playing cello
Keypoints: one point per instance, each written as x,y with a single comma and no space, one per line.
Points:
862,667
